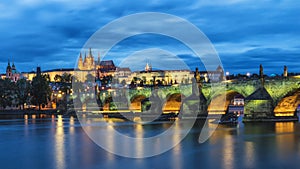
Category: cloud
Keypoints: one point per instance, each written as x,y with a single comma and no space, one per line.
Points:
273,60
245,32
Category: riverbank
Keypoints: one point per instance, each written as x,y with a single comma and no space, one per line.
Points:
20,114
272,119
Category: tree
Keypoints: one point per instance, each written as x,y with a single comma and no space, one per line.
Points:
7,89
66,78
57,78
22,91
40,90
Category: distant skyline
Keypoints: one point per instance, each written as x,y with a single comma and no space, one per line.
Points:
245,33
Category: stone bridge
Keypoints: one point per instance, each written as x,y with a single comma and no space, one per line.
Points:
285,95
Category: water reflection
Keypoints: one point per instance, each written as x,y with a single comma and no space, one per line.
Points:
60,144
177,150
110,139
228,153
72,127
139,144
26,127
258,145
249,157
284,127
285,134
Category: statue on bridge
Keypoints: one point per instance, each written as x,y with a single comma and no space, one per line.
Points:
198,78
285,72
156,103
261,75
195,104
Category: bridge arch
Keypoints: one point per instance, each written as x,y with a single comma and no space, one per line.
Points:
136,102
287,106
106,104
220,103
173,102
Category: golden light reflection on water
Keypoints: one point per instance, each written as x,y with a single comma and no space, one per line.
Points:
33,116
26,116
249,154
284,127
110,139
177,150
59,144
222,136
285,138
72,128
26,127
139,130
228,152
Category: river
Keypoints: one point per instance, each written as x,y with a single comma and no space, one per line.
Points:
61,143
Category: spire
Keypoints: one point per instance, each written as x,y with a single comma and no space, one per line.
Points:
13,65
147,67
80,56
98,58
38,71
90,52
8,68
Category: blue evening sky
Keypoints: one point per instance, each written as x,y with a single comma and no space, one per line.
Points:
245,33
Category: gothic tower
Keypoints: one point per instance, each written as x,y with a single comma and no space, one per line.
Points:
8,70
80,62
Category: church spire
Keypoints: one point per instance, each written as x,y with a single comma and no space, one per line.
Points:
8,65
13,65
98,58
90,52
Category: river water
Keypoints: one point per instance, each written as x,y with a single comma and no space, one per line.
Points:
61,143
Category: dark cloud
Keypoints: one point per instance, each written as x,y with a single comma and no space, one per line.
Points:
273,60
246,33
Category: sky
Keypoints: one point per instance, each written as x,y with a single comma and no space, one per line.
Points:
245,33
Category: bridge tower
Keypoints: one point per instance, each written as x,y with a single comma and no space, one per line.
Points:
259,104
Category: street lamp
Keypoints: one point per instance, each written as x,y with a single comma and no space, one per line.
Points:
248,74
227,75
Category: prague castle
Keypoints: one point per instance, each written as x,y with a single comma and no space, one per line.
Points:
101,68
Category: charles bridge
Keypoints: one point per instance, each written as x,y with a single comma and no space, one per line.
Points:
277,97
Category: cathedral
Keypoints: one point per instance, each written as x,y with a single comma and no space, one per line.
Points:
88,63
102,68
